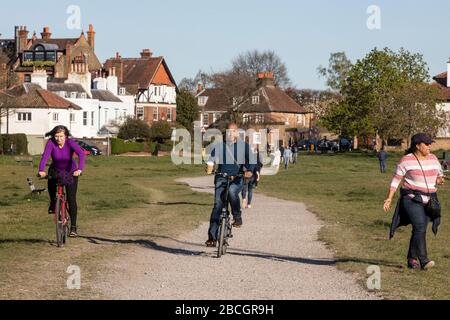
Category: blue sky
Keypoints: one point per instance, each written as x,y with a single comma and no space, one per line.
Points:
207,34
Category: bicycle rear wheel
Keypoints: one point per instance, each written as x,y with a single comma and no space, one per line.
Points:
222,240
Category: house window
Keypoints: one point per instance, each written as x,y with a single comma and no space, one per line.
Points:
122,91
24,116
246,118
73,95
72,117
255,100
259,118
155,114
205,119
55,117
92,118
235,101
140,112
106,115
169,114
202,101
83,95
85,118
27,78
116,115
156,91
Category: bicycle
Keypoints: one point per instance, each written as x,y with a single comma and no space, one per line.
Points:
225,226
61,218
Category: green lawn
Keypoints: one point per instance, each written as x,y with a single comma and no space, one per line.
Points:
347,192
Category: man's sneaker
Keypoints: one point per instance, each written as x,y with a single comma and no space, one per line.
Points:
237,223
429,265
211,243
249,206
413,264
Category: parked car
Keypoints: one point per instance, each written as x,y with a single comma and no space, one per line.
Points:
306,144
89,150
345,145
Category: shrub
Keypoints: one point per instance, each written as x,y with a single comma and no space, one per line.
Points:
134,129
18,142
160,131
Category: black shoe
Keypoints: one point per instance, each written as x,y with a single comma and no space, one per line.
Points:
237,223
211,243
51,209
413,264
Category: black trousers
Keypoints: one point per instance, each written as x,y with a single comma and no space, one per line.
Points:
71,194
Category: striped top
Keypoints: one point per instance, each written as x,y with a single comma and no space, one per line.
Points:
409,169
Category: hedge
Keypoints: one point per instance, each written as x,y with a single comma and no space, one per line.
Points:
18,141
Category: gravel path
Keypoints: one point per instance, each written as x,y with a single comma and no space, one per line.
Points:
275,255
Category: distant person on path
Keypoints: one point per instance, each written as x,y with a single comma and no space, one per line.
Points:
382,157
294,150
251,183
415,194
62,149
287,157
282,153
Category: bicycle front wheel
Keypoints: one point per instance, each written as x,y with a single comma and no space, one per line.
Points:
59,224
222,231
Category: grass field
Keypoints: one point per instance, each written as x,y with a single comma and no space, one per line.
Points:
129,200
347,192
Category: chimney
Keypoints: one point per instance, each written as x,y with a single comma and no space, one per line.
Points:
91,36
146,53
118,57
39,76
448,74
46,34
199,87
265,79
22,39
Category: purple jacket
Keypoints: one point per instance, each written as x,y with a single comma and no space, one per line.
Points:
63,157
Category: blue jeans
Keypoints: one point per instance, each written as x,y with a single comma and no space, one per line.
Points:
219,195
419,221
248,188
383,166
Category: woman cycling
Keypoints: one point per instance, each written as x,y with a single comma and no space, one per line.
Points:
62,149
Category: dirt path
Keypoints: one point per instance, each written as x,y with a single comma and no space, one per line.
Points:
275,255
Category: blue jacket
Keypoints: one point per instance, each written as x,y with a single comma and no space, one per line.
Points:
233,158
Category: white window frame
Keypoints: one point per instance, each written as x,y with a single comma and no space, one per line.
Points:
92,118
24,117
73,95
83,95
55,117
155,111
72,117
85,118
169,114
255,100
122,91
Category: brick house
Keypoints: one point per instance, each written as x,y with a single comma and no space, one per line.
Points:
149,80
56,55
268,108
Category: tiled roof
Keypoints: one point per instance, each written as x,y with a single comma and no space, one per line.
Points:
139,71
67,87
217,101
441,78
445,91
104,95
33,96
61,43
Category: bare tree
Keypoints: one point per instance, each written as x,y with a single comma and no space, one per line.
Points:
191,84
253,62
316,101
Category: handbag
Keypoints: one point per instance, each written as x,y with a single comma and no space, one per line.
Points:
433,207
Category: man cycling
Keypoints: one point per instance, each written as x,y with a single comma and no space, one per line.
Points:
233,159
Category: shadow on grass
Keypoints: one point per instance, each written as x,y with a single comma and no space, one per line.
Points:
24,241
178,203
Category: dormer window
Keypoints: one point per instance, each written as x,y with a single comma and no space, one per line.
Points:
122,91
202,101
83,95
73,95
255,100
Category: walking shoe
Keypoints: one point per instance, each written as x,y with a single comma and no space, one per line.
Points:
211,243
73,232
249,206
413,264
237,223
51,209
429,265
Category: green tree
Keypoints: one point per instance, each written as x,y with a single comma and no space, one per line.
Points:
337,71
369,84
187,109
160,131
133,129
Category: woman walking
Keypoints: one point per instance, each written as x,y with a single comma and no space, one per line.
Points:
420,172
